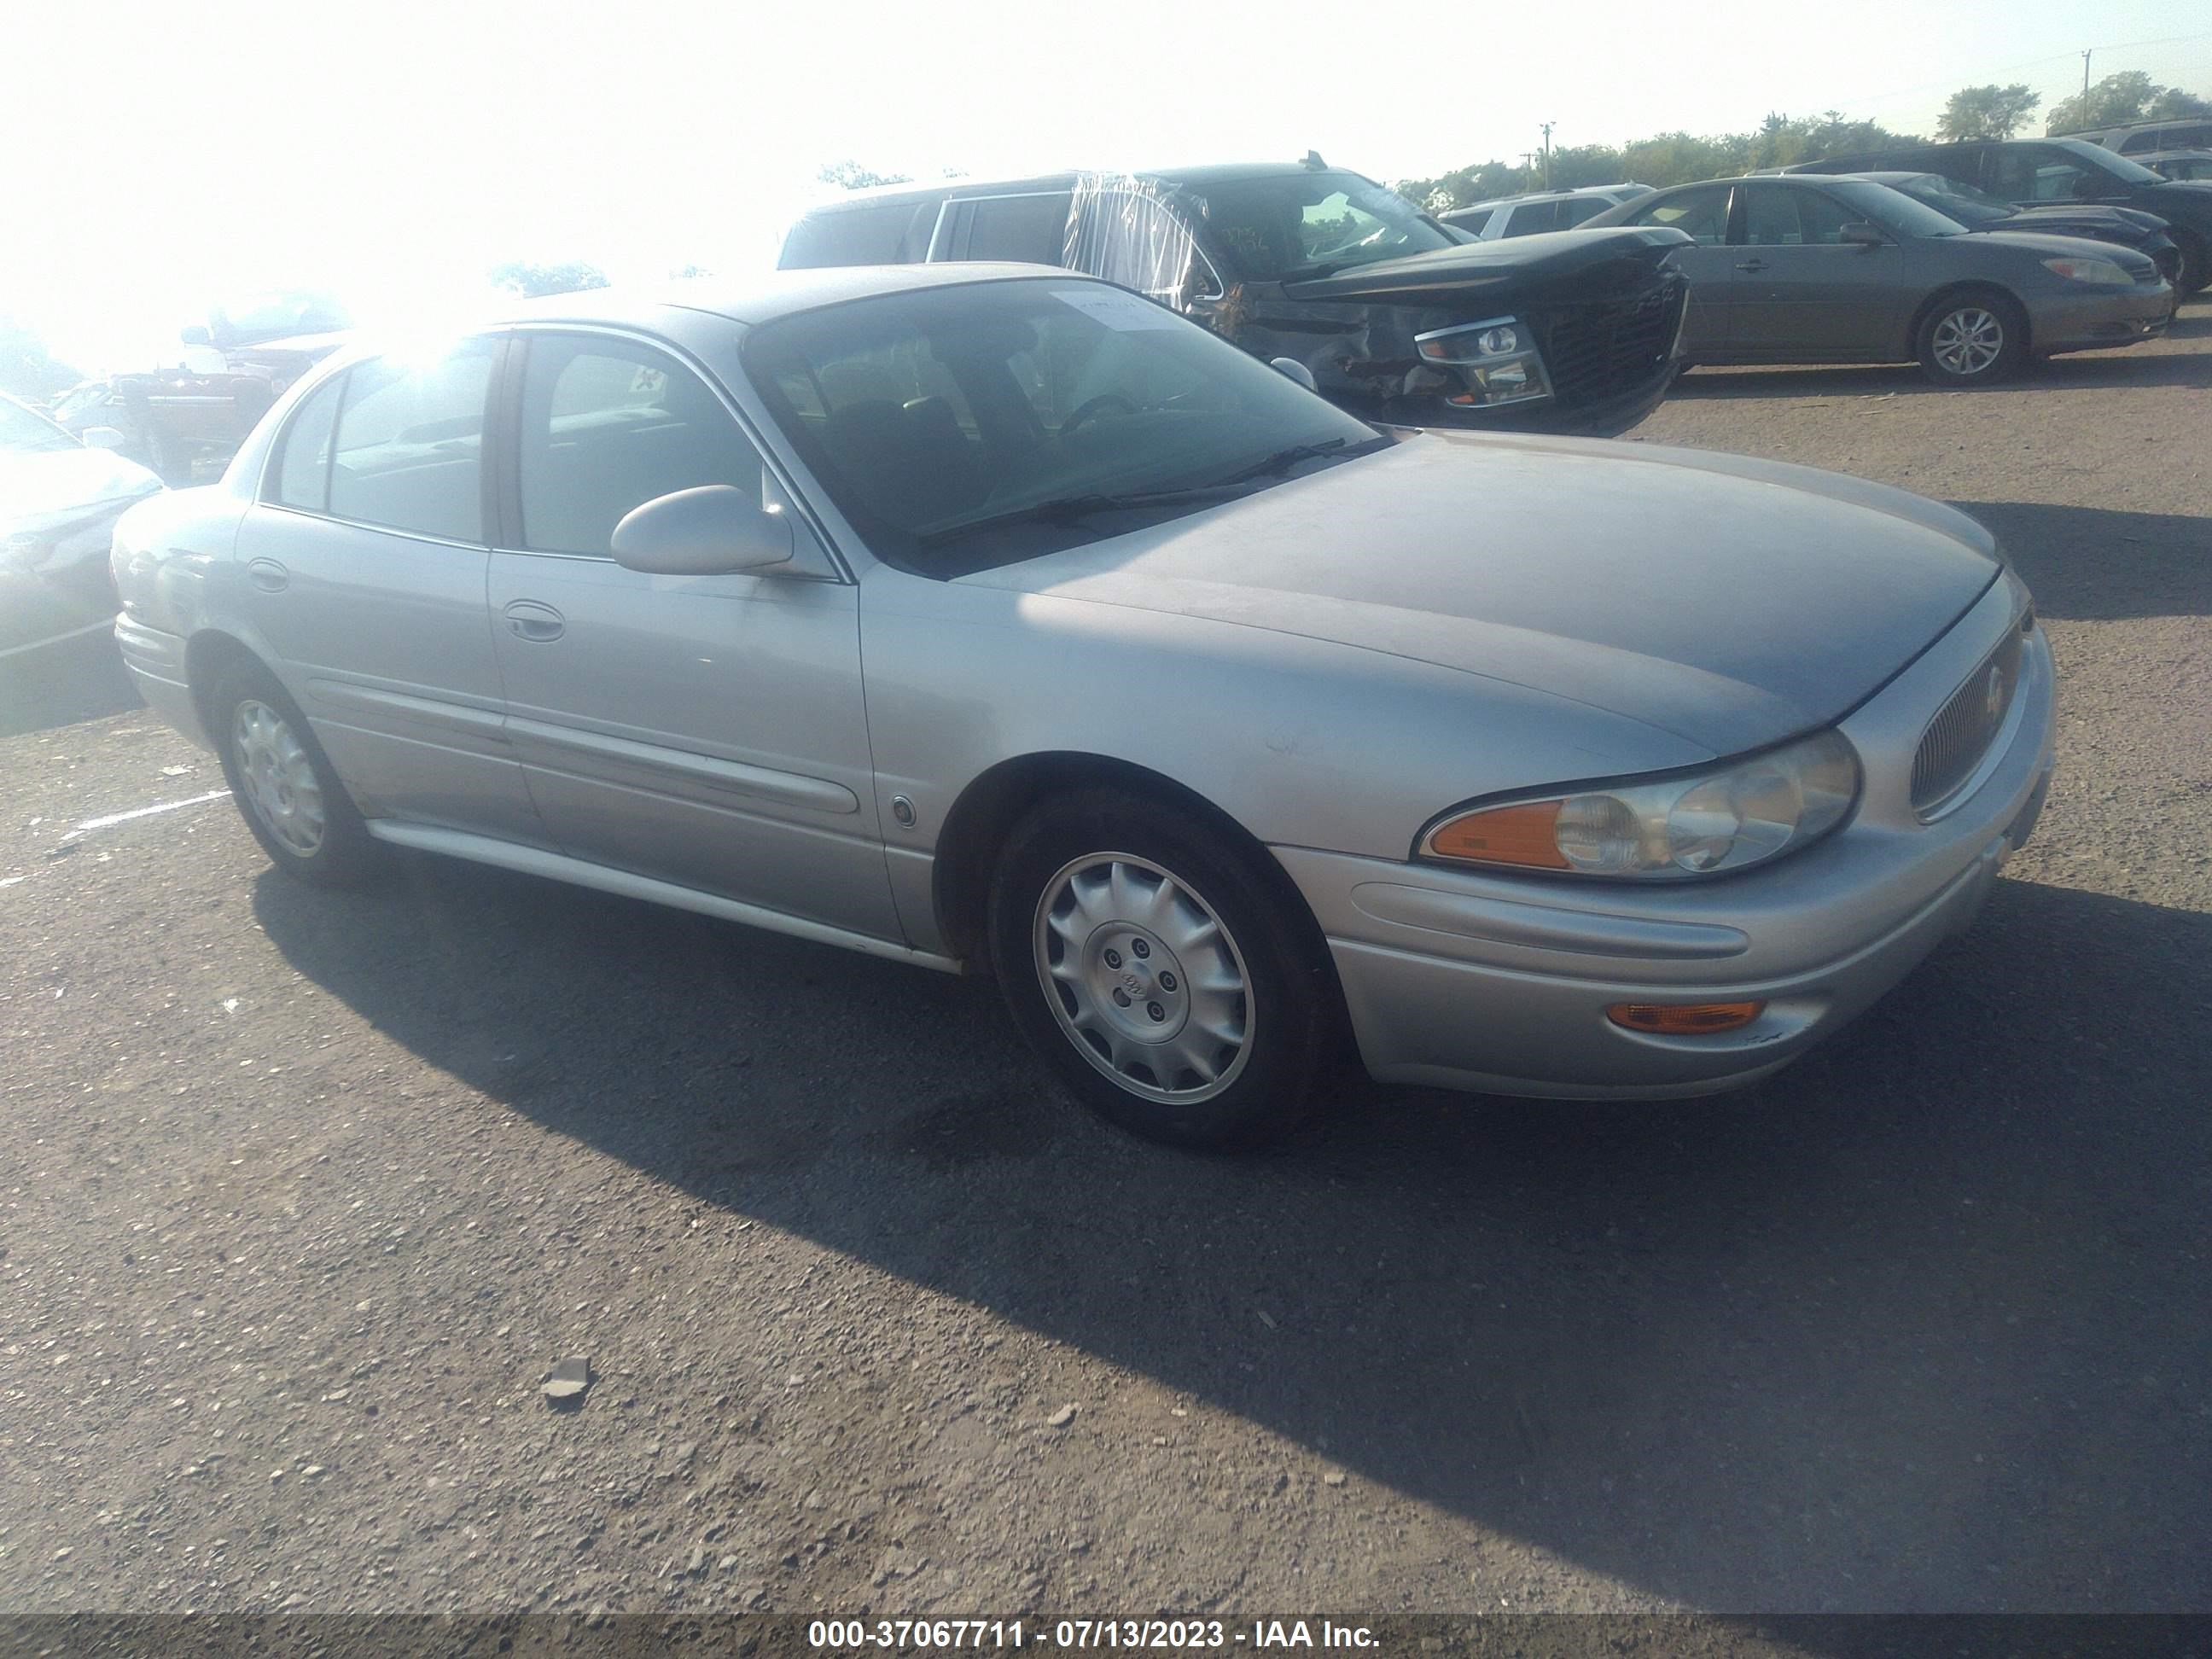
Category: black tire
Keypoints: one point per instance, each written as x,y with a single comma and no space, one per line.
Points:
1286,1011
1980,319
342,852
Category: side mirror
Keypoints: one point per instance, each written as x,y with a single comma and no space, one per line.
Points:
102,437
712,531
1292,369
196,334
1864,235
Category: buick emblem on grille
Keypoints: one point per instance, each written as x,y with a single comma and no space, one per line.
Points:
1993,693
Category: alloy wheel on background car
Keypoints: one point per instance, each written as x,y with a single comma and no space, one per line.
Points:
1968,340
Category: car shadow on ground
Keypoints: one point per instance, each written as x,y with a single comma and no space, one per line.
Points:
1919,1324
2083,371
2087,564
63,681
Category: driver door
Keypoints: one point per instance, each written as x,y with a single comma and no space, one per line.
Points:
706,731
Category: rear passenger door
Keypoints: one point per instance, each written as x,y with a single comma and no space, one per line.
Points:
1701,212
363,566
706,731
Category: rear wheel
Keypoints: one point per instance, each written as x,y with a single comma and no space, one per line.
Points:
1166,979
1972,339
286,790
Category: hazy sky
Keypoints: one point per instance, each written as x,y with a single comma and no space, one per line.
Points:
157,156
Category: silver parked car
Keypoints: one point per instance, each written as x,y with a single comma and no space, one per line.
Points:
988,617
1816,269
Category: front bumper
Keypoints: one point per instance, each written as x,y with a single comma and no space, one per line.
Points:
2100,318
1607,418
1501,984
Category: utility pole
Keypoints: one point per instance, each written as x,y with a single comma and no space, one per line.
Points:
1548,155
1528,161
2085,81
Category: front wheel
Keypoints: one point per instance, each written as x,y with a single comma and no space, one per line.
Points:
1168,981
1972,339
284,786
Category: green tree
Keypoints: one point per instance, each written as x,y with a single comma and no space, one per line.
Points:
531,280
2114,101
1989,112
851,175
2174,105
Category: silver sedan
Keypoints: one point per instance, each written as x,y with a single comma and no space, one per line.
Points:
995,619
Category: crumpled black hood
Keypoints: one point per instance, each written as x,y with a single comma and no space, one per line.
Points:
1501,266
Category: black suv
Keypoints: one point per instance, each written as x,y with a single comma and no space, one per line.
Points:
1378,306
2036,172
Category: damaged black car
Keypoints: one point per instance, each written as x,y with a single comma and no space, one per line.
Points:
1333,277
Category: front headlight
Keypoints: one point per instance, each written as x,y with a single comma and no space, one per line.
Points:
1496,360
1703,823
2088,270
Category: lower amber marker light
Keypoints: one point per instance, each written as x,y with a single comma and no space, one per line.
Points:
1685,1018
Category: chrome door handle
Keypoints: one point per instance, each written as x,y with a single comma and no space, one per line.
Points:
268,575
1752,264
527,619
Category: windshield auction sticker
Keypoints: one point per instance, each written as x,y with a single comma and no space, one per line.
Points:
1116,308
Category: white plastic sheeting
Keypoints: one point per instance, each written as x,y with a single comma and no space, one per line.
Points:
1119,227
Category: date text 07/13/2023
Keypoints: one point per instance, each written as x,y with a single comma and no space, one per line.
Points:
1122,1634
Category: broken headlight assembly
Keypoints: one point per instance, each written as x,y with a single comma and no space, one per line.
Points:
1496,361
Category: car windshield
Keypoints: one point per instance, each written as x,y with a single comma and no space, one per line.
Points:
22,431
1956,201
2097,157
1303,225
962,428
1893,209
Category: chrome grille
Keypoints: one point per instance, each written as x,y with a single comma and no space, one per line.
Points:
1960,734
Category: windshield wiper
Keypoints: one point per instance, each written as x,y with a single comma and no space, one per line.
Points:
1283,460
1063,509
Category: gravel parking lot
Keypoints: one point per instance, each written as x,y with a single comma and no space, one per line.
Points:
302,1195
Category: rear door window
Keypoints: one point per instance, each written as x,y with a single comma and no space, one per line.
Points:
1030,229
1700,211
1531,218
409,450
1576,208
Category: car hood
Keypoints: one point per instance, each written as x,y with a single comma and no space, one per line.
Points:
2056,244
2128,223
41,488
1729,601
1473,268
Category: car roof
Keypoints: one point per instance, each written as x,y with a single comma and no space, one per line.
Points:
1211,172
2190,154
1543,196
765,296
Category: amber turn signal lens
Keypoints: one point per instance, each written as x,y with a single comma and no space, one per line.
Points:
1684,1020
1505,835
